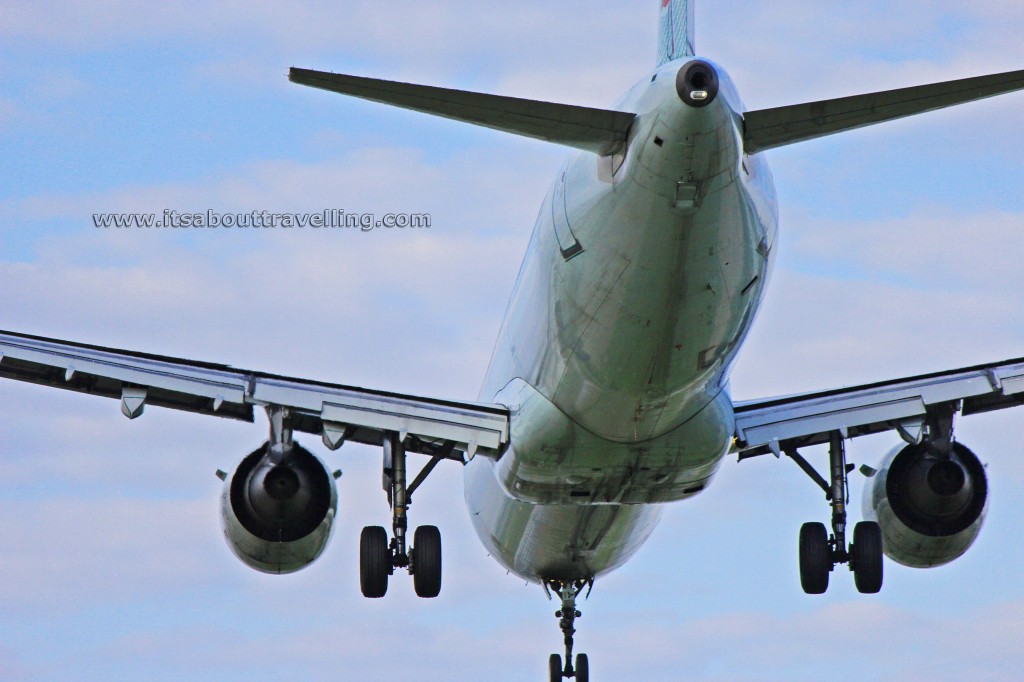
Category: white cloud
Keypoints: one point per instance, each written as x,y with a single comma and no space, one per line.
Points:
227,285
874,641
115,549
114,563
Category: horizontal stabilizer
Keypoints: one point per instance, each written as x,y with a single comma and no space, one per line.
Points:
770,128
596,130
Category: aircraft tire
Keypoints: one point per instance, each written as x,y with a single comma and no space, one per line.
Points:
582,668
374,562
815,558
866,555
426,561
554,668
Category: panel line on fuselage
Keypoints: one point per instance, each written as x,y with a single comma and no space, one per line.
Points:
614,363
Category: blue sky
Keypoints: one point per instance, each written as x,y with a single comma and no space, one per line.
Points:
899,254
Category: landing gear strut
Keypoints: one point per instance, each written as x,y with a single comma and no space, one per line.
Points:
819,552
567,615
379,558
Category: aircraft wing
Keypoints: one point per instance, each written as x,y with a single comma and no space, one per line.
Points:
776,425
336,413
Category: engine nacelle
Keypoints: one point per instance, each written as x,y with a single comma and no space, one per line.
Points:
930,507
278,508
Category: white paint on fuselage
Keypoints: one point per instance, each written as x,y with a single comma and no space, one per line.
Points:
614,361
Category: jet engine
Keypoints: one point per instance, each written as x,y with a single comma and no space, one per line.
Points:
278,507
930,505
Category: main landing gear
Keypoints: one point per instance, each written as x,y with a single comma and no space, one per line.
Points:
819,552
567,615
378,558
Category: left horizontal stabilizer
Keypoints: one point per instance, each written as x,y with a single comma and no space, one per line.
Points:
596,130
780,126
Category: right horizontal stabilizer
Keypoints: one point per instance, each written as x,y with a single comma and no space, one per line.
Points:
770,128
596,130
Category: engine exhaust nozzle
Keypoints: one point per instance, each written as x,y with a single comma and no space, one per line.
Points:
697,83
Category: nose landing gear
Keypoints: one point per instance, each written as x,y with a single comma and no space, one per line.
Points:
567,615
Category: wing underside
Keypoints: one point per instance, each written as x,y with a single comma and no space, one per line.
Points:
776,425
335,412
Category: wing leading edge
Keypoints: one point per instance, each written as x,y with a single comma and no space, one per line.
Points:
774,425
335,412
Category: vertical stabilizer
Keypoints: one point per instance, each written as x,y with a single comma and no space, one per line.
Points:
675,30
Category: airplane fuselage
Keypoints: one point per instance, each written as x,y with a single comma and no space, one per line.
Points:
641,280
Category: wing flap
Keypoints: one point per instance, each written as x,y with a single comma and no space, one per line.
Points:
107,372
764,426
597,130
769,128
336,412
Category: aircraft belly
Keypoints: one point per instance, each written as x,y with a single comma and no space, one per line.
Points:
641,279
642,350
562,500
632,334
553,541
555,460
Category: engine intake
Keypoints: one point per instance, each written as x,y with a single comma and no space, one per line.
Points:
930,506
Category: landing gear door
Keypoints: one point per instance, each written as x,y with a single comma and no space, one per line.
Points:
567,242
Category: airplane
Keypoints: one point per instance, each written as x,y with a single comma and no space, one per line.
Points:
607,394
